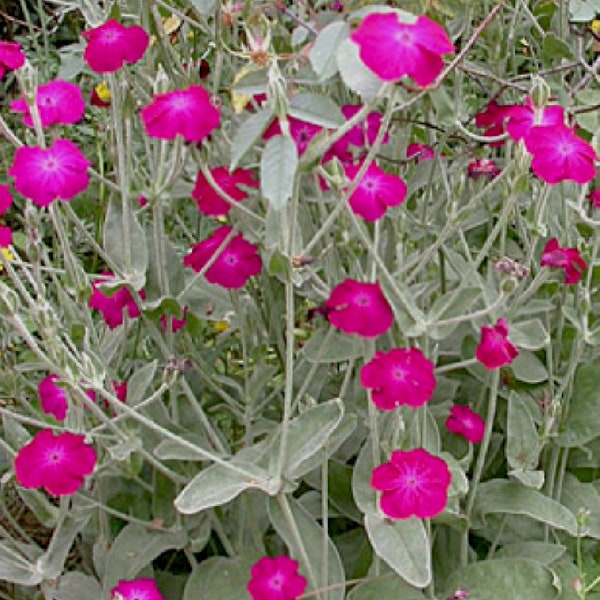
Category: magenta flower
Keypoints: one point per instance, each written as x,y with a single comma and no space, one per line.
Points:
494,349
483,167
235,265
6,198
568,259
209,202
560,155
59,103
362,134
120,390
112,306
376,191
189,113
136,589
302,132
11,57
463,421
393,49
112,44
414,484
402,376
5,236
176,324
57,464
493,120
594,198
45,175
53,398
360,308
419,152
276,579
522,118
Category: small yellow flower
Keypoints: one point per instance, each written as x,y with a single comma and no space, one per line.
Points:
596,26
221,326
103,92
7,255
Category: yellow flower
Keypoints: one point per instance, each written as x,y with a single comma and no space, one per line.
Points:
7,255
221,326
103,92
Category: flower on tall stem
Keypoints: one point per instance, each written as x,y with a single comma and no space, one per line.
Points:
209,201
495,350
464,421
112,305
113,44
47,174
568,259
402,376
276,579
392,48
189,113
53,398
361,308
413,484
58,463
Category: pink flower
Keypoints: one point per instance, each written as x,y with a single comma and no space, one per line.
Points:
360,308
57,464
302,132
594,198
176,324
494,349
463,421
414,483
420,152
560,155
399,377
112,306
11,57
276,579
483,167
362,134
235,265
112,44
5,236
209,202
568,259
53,398
45,175
522,118
136,589
493,120
189,113
59,103
6,198
120,390
393,49
376,191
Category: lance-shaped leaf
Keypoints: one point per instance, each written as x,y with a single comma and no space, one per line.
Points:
278,167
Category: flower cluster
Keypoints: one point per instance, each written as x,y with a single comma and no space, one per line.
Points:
558,153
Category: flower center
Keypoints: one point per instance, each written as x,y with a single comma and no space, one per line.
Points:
362,300
276,582
55,456
51,164
230,260
405,38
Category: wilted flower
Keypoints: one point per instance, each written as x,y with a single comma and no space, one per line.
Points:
376,191
402,376
560,155
113,44
11,57
59,102
463,421
360,308
47,174
276,579
495,349
414,484
209,202
101,95
392,48
483,167
136,589
56,463
568,259
189,113
53,398
238,261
